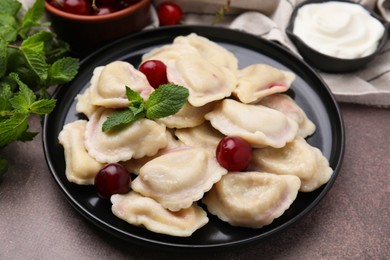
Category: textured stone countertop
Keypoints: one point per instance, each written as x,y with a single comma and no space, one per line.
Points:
351,222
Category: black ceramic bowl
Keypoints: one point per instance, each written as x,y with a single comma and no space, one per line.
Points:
328,63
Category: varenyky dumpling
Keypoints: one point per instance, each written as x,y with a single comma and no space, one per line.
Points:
134,165
296,158
205,81
287,106
204,136
260,80
143,137
251,199
84,105
80,167
168,52
258,125
187,116
177,179
146,212
108,84
209,50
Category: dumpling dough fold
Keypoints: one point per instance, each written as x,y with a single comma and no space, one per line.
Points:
80,167
178,178
258,125
143,137
251,199
143,211
296,158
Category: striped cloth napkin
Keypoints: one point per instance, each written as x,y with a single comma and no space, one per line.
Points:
269,18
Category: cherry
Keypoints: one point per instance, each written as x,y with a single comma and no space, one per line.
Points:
112,179
57,3
81,7
169,14
234,153
102,10
107,2
122,4
155,71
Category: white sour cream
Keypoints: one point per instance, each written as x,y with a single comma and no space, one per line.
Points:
338,29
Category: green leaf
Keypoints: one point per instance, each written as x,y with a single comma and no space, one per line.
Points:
32,18
133,96
22,101
33,52
4,165
119,118
5,96
3,57
8,28
10,7
166,100
62,71
13,128
43,106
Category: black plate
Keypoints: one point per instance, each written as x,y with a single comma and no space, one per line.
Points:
308,90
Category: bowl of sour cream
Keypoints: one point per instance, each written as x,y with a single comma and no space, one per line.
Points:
337,35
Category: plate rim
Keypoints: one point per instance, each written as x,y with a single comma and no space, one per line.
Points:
180,30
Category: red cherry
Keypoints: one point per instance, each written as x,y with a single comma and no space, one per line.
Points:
57,3
102,10
81,7
169,14
234,153
122,4
112,179
155,71
107,2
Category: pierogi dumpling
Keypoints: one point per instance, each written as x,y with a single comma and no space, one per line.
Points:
187,116
260,80
143,137
108,84
204,136
258,125
251,199
205,81
84,105
177,179
134,165
168,52
287,106
80,167
296,158
209,50
146,212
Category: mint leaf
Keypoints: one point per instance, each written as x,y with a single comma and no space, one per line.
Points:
8,27
13,128
62,71
33,51
32,18
118,118
166,100
22,101
10,7
43,106
3,57
134,97
5,96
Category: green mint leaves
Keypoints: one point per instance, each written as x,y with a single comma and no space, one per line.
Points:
32,59
166,100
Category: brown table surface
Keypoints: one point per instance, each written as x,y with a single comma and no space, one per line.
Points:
351,222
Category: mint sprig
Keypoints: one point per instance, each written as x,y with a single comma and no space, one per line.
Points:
32,59
166,100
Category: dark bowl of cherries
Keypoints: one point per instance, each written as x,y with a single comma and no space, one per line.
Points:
89,24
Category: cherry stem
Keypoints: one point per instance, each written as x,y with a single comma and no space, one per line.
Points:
94,7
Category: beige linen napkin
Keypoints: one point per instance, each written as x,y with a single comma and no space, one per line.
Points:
268,19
